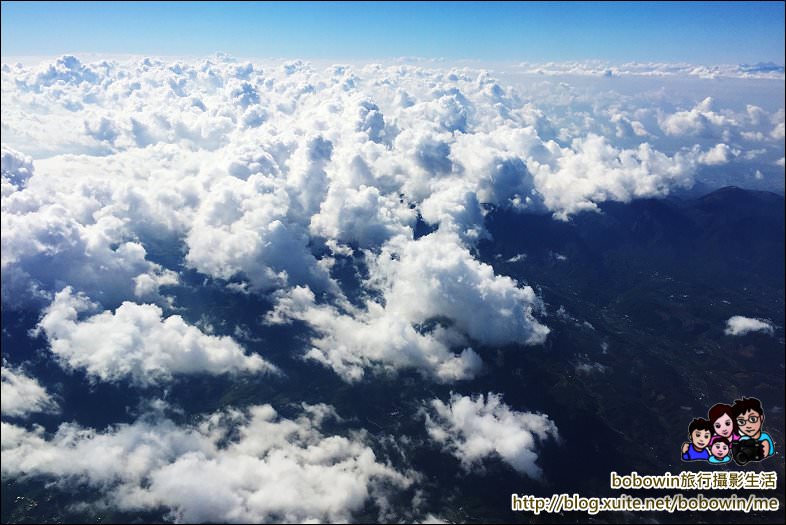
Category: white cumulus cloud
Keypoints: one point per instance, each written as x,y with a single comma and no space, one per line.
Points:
433,296
21,394
249,466
136,342
474,428
741,325
700,120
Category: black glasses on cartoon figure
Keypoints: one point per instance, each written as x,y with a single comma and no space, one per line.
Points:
754,444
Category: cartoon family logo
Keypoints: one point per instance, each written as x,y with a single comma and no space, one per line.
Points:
730,432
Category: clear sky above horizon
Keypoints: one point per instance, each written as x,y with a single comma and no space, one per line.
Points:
698,32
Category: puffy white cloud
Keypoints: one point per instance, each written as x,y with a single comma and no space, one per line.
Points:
474,428
720,154
16,169
432,295
701,120
628,128
136,342
592,171
362,215
455,207
436,276
241,467
241,229
352,342
52,237
741,325
779,131
21,394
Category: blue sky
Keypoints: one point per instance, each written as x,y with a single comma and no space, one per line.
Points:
700,32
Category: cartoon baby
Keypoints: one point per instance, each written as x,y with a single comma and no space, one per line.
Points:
719,450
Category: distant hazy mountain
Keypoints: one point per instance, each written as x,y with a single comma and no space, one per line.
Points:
729,236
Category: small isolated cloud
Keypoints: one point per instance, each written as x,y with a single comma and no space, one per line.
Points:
22,395
240,467
136,342
474,428
585,365
740,325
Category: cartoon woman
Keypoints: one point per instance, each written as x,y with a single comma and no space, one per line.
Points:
723,422
719,450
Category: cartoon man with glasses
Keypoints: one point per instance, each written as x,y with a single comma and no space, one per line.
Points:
750,417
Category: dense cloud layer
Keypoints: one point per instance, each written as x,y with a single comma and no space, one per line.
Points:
239,467
598,68
474,428
261,174
57,233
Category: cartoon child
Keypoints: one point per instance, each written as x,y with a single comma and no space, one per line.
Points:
719,450
723,422
700,432
750,417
